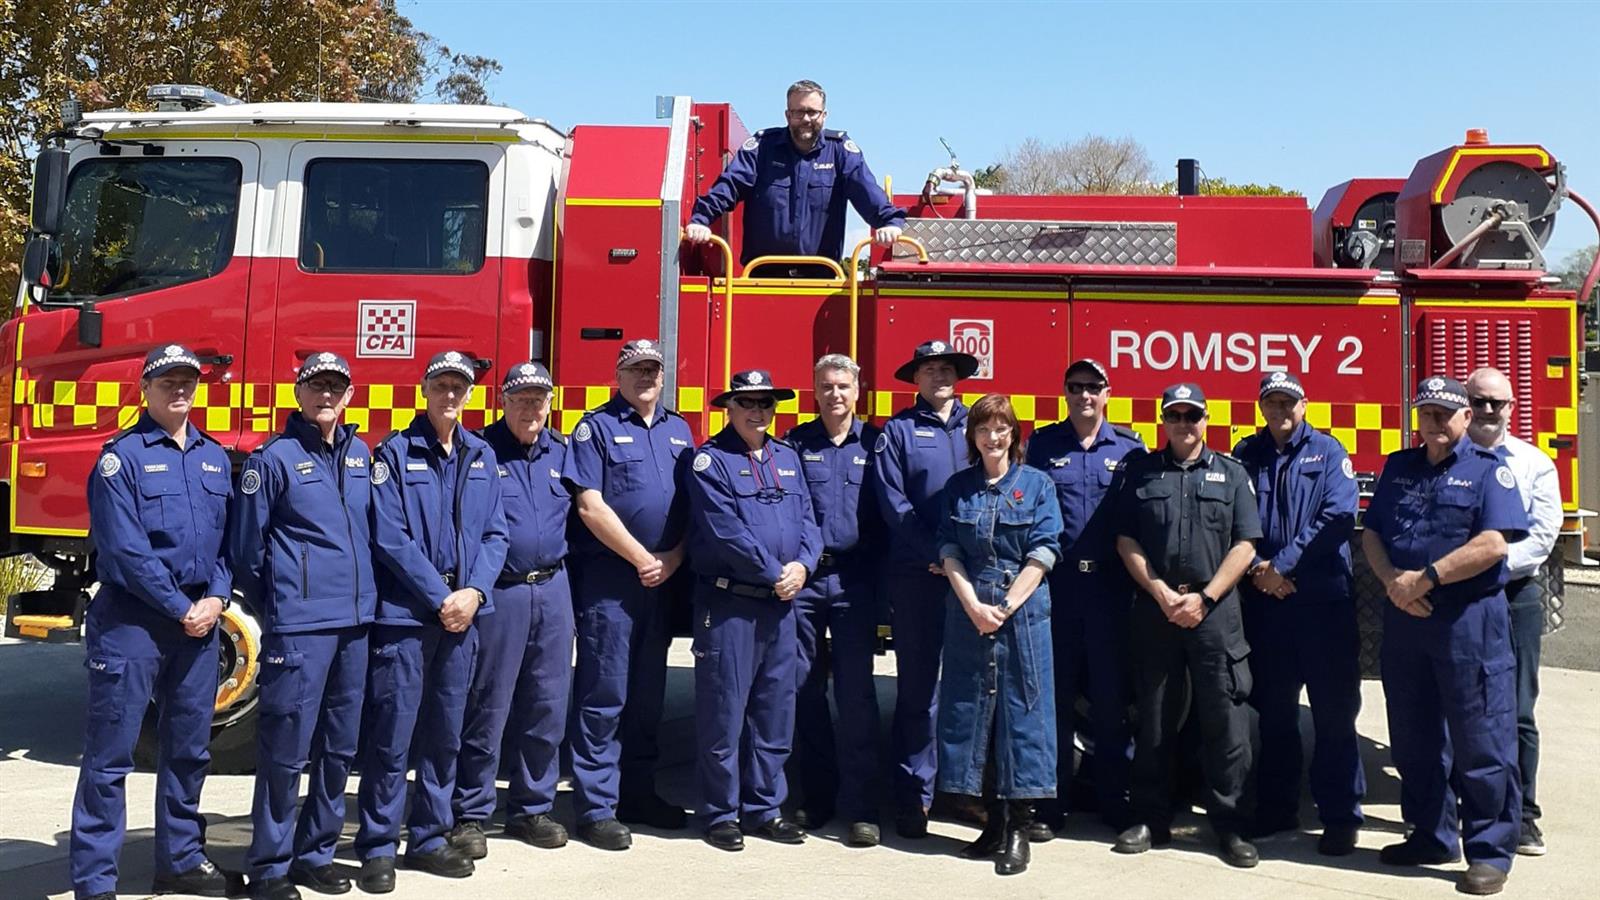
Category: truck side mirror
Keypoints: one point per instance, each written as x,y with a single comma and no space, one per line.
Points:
37,259
50,189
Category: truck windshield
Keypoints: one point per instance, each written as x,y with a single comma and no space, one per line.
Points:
142,223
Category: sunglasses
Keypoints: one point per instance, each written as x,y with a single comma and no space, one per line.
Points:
1075,388
754,402
1191,417
1489,404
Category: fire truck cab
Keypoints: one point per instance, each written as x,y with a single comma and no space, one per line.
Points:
258,233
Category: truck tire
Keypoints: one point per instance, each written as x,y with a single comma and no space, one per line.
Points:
233,728
233,746
1370,600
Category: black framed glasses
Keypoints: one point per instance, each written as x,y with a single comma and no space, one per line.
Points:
754,402
1489,404
806,113
1075,388
1191,417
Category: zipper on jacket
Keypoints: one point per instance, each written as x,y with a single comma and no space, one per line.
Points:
349,529
305,589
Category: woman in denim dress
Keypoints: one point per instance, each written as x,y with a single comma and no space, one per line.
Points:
998,537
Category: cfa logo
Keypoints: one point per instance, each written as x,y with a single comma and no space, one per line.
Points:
387,328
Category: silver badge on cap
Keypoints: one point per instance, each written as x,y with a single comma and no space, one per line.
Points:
1435,384
526,369
172,350
937,346
325,357
1183,392
755,378
452,357
1278,378
643,344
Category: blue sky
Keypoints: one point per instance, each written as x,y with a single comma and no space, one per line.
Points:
1303,95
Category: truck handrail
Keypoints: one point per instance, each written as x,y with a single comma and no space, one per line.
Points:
838,273
855,283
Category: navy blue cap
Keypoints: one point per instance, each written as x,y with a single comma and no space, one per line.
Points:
1438,390
451,361
1093,365
1283,383
639,350
1185,392
162,360
318,363
966,364
753,381
526,375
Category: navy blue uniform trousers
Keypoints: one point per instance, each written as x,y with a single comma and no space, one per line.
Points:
1089,633
917,617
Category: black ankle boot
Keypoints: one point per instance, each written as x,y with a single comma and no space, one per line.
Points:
1014,850
993,833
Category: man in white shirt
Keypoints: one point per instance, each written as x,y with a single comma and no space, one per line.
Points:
1489,393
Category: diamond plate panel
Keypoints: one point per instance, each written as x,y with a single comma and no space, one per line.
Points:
1018,240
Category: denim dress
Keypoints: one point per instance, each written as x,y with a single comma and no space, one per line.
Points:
996,693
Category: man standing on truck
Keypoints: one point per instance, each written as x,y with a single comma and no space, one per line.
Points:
524,672
440,533
158,504
622,468
1300,618
1436,533
916,453
1489,392
795,182
300,540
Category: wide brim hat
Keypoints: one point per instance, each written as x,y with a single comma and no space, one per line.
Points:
966,364
752,382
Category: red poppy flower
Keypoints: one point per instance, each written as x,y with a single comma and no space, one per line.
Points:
1016,494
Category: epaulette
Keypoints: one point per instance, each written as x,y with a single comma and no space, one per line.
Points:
386,439
269,442
117,437
835,135
1127,432
557,436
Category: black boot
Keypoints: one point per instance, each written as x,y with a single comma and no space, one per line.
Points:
1015,853
993,833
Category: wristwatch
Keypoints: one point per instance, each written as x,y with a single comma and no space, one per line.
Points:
1432,575
1206,598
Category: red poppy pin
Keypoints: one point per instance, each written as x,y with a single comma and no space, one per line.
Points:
1016,494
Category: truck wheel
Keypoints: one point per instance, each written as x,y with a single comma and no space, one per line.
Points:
1370,600
233,726
1552,581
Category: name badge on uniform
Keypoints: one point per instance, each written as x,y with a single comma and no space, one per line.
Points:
355,462
859,460
785,473
1061,461
304,467
208,467
820,166
812,457
477,464
1310,459
741,471
622,439
155,467
1452,481
416,467
1112,464
676,442
1216,476
554,474
503,471
921,433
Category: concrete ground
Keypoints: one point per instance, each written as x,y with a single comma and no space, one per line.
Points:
41,720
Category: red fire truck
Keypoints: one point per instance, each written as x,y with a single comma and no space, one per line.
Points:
257,233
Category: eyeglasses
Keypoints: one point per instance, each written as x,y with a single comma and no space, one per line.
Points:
1075,388
326,385
754,402
648,371
1192,417
1489,404
806,113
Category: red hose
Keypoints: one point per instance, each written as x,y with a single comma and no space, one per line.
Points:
1594,266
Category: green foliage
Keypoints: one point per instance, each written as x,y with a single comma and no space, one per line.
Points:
1222,187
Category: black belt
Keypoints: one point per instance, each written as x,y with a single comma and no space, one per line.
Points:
532,576
1084,565
836,560
741,590
449,578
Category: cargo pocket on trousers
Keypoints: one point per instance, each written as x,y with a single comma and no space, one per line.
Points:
282,688
1499,686
1239,680
107,685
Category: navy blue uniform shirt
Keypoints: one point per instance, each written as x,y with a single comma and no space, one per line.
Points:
794,202
1084,479
1187,518
537,504
916,454
300,536
157,514
411,480
1306,495
749,517
1424,511
634,466
840,478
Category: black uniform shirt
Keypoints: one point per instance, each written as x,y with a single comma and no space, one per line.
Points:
1187,518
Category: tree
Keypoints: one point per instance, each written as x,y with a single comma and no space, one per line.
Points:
1572,271
106,52
1222,187
1093,164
